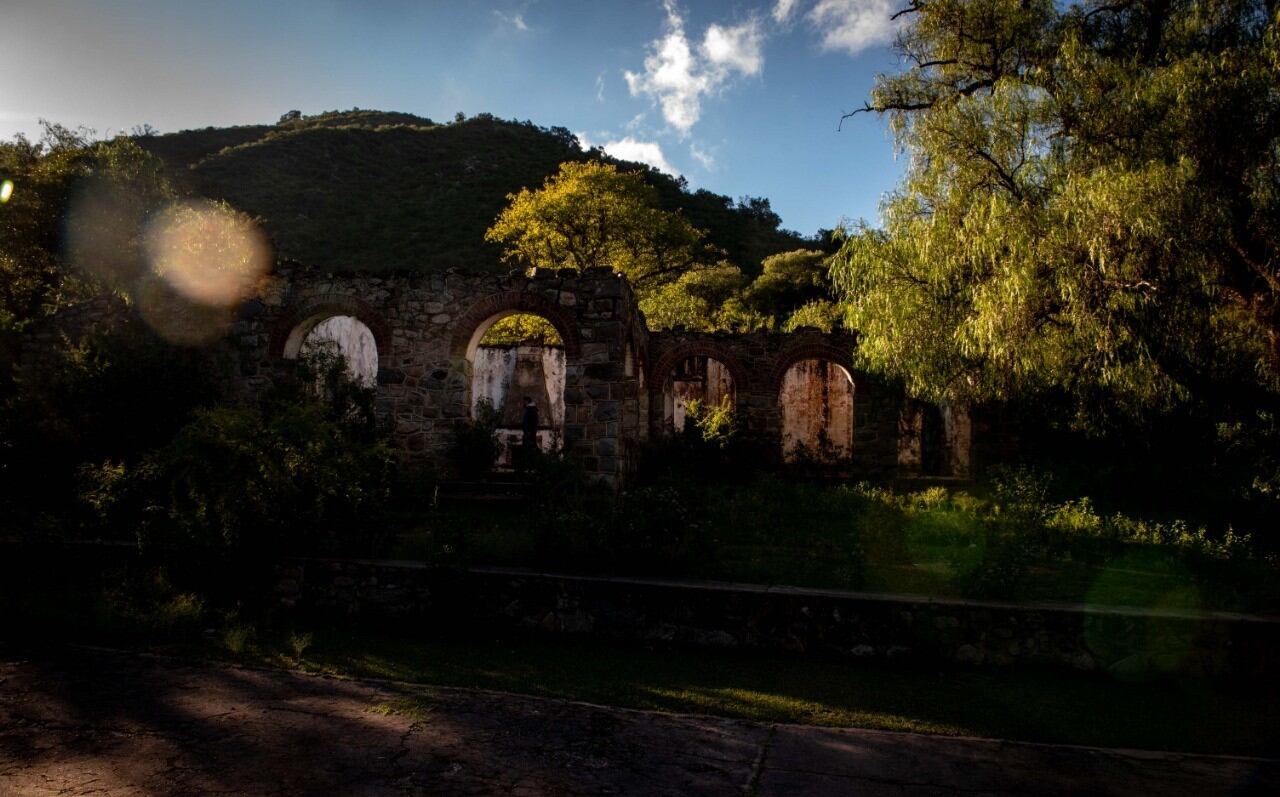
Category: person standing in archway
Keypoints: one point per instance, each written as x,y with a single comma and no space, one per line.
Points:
529,430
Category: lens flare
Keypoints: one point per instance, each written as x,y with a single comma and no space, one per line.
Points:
208,253
6,191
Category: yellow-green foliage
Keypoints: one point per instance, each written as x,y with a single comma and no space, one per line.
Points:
522,328
712,423
792,290
1091,203
39,234
592,214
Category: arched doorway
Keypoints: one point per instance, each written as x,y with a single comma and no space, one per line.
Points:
696,377
519,360
817,401
544,371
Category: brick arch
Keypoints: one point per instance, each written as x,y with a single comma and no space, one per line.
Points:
515,302
661,370
315,309
811,351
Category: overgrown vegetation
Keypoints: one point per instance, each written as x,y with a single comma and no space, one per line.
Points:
1009,540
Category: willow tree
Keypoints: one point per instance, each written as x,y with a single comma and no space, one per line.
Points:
1092,203
591,214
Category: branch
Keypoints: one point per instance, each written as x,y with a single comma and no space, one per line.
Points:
1109,8
915,6
893,106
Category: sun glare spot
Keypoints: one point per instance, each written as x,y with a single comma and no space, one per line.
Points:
6,190
207,253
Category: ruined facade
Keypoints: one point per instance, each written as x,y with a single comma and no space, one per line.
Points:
611,388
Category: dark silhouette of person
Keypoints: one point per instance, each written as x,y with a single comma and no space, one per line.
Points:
529,428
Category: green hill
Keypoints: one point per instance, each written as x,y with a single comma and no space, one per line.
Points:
372,190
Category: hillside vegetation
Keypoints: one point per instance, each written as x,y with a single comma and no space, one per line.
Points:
372,190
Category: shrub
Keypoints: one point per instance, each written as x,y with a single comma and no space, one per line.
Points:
714,425
475,445
302,470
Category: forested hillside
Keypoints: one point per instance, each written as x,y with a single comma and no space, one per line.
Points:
376,190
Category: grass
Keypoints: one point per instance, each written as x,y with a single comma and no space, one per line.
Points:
1029,705
940,543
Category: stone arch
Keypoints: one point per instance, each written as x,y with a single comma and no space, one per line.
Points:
835,414
812,351
292,329
663,406
543,371
661,370
470,328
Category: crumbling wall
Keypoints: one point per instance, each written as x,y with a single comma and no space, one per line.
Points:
505,375
620,381
758,363
427,327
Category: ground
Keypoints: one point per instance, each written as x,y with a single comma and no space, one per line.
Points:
81,721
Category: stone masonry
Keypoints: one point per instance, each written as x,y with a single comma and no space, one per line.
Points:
427,327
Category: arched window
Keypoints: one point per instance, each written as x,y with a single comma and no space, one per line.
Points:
344,335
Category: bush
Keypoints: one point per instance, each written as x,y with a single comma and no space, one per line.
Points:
475,446
303,470
712,425
645,529
100,404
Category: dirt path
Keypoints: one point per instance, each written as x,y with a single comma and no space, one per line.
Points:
87,722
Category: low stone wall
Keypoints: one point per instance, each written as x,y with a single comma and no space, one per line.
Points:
842,624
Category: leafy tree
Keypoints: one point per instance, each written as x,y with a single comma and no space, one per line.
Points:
823,314
522,329
48,252
1092,204
591,214
789,281
724,299
707,300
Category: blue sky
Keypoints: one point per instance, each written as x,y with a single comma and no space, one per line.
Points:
742,98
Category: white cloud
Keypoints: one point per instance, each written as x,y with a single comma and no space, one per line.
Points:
736,48
629,148
678,78
854,25
515,20
704,158
782,10
647,152
600,87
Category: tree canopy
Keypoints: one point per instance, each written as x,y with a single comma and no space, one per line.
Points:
592,214
1092,203
74,217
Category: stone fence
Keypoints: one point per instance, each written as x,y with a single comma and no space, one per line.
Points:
850,625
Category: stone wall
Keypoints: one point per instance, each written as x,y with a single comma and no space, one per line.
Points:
618,386
1127,642
759,363
427,329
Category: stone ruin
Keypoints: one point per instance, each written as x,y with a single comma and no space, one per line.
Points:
609,389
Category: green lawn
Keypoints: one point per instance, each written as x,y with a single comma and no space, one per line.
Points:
1023,704
938,544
